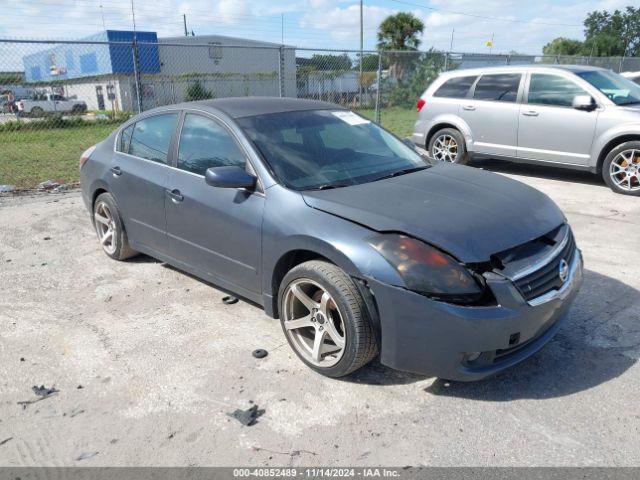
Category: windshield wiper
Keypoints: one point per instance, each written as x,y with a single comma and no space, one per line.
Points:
404,171
329,186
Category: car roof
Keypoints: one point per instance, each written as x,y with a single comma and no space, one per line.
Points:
238,107
523,68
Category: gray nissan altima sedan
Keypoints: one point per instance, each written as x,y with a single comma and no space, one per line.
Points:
341,231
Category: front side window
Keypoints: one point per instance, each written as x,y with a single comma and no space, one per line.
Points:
327,149
552,90
617,88
204,143
499,87
151,137
456,87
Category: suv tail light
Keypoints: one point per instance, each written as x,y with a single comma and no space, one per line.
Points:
420,104
85,156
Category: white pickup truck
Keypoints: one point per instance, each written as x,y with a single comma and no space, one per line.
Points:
49,103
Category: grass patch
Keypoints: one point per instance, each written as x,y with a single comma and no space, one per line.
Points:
28,157
395,119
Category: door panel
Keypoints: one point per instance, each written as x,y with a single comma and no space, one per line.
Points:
139,178
550,129
215,230
492,114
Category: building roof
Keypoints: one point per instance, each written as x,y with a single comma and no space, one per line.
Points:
238,107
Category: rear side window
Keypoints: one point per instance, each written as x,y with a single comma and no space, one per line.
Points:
125,138
204,143
499,87
152,136
456,87
552,90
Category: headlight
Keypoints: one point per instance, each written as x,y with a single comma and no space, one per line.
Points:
425,269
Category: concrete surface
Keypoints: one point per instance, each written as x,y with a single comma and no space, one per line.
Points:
161,361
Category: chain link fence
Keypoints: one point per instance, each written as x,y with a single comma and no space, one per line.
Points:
59,97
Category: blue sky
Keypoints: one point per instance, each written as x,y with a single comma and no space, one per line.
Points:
517,26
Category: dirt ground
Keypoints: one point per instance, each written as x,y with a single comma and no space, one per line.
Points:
148,363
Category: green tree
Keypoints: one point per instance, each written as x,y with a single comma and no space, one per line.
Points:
330,62
612,34
563,46
196,91
400,32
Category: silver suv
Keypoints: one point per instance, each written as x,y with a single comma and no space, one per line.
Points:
578,117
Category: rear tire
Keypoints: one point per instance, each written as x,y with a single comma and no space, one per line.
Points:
448,145
330,312
110,229
37,112
621,169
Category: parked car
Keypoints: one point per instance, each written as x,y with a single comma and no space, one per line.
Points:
634,76
578,117
50,103
341,230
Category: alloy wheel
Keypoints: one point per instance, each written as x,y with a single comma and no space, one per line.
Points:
313,323
105,227
625,170
445,148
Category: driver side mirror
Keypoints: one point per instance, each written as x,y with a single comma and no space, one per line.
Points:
229,177
584,102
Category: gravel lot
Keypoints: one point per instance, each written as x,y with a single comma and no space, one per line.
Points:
149,362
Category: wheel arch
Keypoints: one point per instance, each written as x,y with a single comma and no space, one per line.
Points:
449,121
611,144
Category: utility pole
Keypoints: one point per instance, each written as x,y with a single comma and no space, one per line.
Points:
361,54
282,28
184,20
133,17
453,30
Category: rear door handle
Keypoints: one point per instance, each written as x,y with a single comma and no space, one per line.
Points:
530,113
175,195
116,171
468,107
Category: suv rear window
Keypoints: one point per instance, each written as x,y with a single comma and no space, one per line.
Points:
457,87
499,87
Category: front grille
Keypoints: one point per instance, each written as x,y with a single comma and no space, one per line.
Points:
547,278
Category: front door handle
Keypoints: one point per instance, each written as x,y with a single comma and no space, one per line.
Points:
174,195
468,107
116,171
530,113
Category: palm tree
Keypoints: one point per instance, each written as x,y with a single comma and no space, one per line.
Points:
399,32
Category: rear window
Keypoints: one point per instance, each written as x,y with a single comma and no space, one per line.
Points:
500,87
457,87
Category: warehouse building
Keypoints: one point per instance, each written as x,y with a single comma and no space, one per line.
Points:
171,69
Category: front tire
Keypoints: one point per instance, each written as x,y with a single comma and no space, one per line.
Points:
621,168
325,319
448,145
110,229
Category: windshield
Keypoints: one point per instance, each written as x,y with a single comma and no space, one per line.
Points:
620,90
328,149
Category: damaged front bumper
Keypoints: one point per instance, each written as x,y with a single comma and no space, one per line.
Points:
464,343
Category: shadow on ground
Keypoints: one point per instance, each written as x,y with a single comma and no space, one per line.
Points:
539,171
599,342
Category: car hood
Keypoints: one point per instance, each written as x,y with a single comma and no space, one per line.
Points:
467,212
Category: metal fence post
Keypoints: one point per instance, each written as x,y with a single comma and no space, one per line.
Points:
281,70
446,61
136,74
379,86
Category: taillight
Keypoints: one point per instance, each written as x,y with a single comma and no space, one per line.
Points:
420,103
85,156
